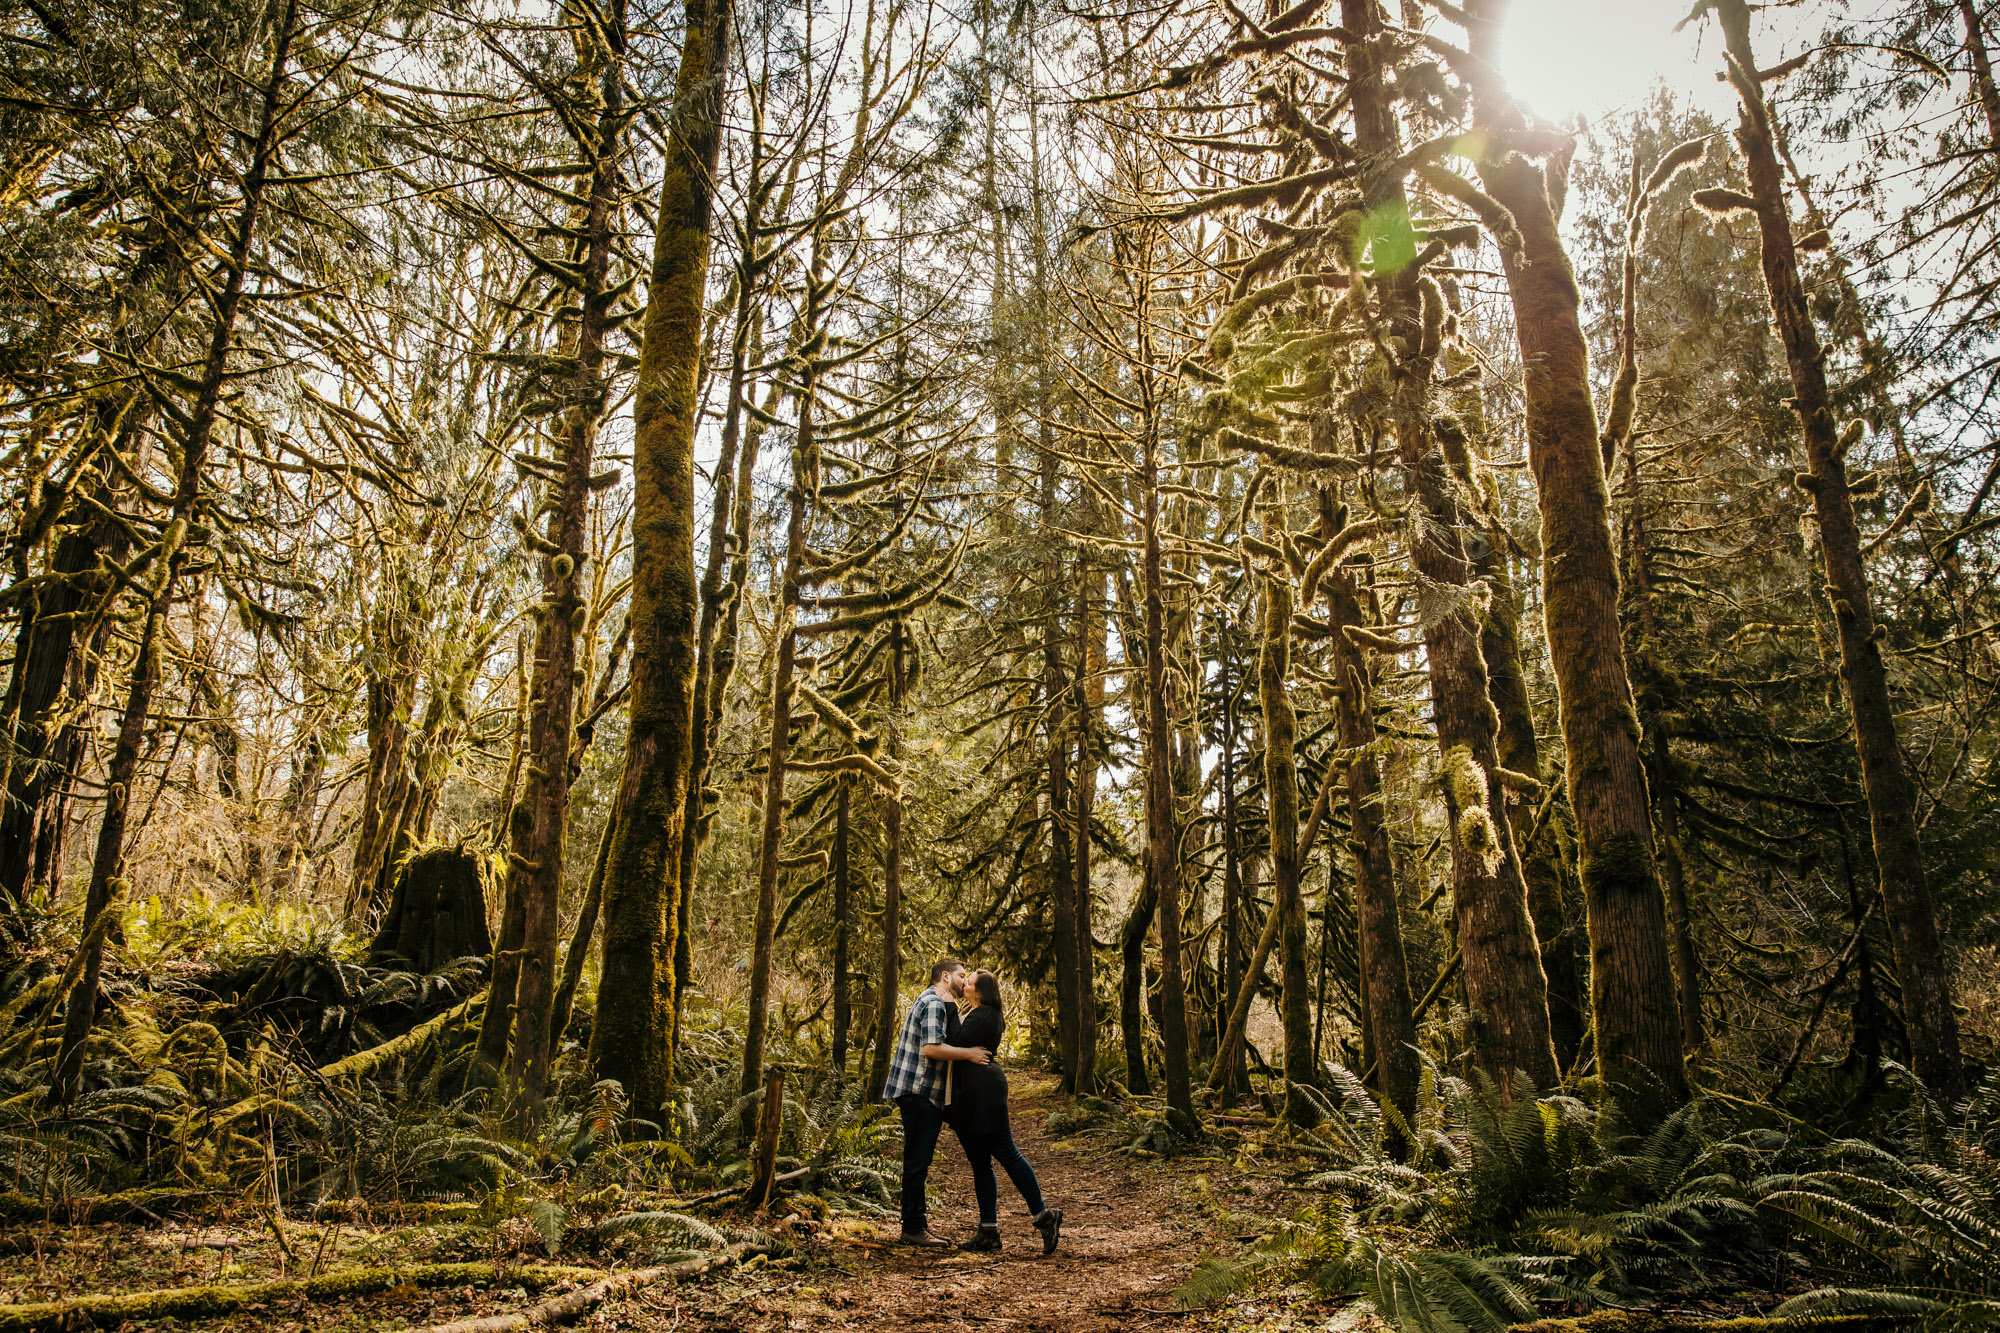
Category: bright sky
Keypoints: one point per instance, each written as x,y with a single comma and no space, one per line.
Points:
1595,57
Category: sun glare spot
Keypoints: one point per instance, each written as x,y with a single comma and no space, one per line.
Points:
1566,58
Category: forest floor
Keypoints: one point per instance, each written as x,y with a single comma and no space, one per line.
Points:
1133,1229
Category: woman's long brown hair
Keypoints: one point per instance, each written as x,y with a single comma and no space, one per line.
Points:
988,987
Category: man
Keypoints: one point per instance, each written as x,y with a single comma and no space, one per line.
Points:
916,1086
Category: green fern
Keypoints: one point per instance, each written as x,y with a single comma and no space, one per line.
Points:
691,1231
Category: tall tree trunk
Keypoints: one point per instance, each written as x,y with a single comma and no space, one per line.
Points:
633,1037
1506,990
1632,984
1132,984
391,672
1230,1077
535,862
728,547
169,562
1089,707
1545,866
43,650
842,909
1921,966
1385,985
1281,795
1659,757
1982,71
1060,868
891,966
785,627
1162,826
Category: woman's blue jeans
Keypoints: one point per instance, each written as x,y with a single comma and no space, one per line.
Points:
982,1151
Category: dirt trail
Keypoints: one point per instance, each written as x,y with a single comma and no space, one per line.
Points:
1131,1233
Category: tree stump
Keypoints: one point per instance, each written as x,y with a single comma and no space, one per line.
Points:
437,911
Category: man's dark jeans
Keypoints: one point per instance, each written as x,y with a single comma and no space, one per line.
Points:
982,1151
922,1123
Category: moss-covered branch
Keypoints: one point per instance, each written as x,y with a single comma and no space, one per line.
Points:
212,1301
574,1305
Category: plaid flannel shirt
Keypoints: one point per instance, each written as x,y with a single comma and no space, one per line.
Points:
924,1025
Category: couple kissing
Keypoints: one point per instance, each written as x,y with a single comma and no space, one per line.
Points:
942,1073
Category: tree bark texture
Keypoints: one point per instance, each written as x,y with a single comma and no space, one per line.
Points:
1632,982
1132,984
633,1037
1281,795
534,863
170,561
1385,983
1545,865
1089,708
1921,966
1162,832
38,702
891,977
842,910
765,923
1506,989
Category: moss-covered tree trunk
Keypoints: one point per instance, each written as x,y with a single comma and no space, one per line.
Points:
1921,967
1281,796
1632,981
535,860
1089,709
842,913
1506,990
632,1040
717,668
1162,827
1059,868
1546,867
891,965
389,666
730,517
171,556
1132,984
771,847
44,648
1660,774
1385,983
1231,1076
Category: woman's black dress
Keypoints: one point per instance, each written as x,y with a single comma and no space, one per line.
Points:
979,1092
978,1114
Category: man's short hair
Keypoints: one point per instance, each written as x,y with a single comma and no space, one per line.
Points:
942,966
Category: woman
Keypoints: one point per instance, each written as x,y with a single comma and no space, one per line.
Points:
976,1098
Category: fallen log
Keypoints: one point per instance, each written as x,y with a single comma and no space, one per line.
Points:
1650,1321
574,1305
147,1204
212,1301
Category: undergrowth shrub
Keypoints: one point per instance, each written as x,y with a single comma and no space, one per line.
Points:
1496,1207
